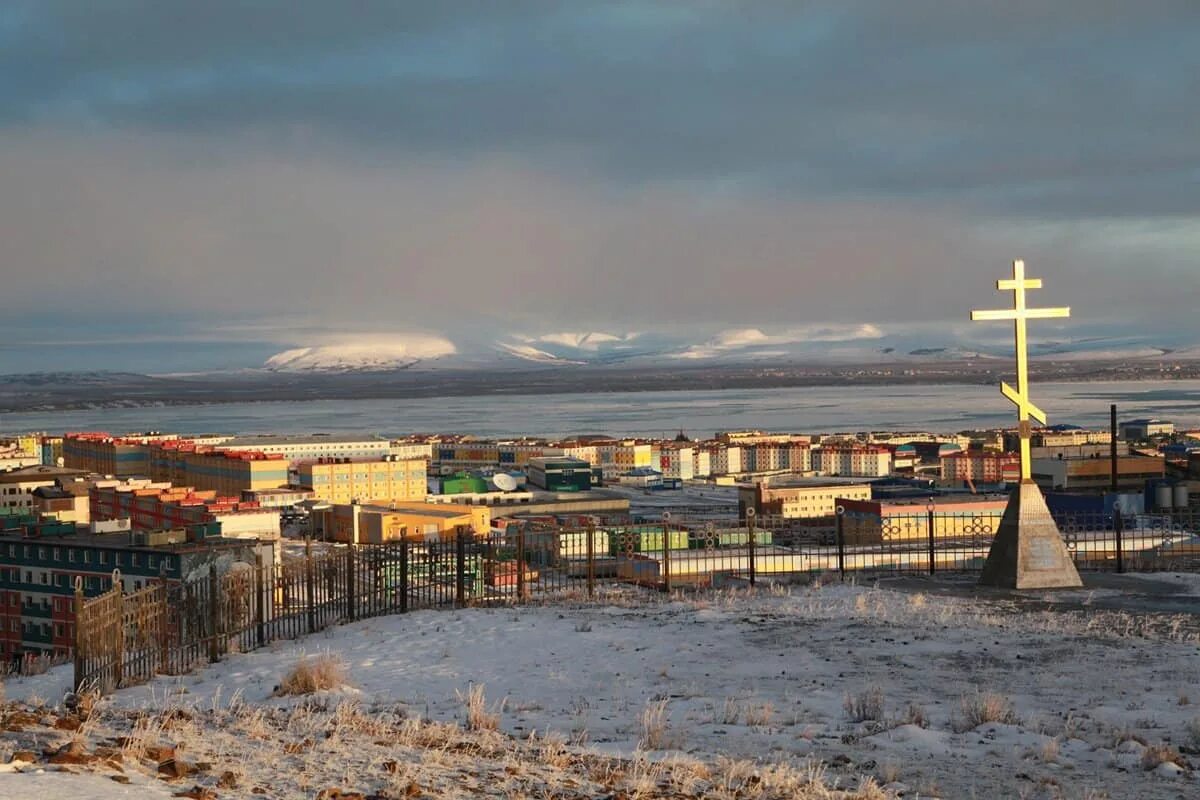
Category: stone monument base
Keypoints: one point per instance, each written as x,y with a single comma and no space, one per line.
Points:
1028,551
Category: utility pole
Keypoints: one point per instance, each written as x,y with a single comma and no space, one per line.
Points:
1112,447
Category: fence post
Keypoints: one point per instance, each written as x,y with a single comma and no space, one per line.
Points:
164,631
750,513
79,634
929,523
310,585
666,563
404,573
119,664
259,600
1119,529
521,564
350,582
841,542
460,567
214,613
591,561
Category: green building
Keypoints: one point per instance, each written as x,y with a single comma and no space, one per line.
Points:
462,483
560,474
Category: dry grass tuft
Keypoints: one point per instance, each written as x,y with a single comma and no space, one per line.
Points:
1161,753
759,715
654,726
981,708
730,712
479,716
313,674
864,706
1048,751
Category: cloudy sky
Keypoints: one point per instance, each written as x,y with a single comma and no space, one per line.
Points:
196,185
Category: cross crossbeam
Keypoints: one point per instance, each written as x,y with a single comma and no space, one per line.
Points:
1020,313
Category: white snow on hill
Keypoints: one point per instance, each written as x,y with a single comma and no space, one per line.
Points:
936,696
362,355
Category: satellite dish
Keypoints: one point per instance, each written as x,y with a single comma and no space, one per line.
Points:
504,482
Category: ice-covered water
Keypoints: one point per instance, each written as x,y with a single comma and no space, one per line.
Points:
699,413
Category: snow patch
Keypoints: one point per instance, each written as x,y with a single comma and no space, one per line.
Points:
363,355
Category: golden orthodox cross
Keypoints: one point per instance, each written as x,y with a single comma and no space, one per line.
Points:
1019,314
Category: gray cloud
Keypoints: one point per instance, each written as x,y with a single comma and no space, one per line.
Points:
1086,108
524,166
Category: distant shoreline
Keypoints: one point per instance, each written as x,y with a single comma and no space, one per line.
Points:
127,391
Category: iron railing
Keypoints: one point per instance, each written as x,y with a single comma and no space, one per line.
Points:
172,627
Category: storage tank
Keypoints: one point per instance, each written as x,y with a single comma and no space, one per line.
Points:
1163,497
1181,495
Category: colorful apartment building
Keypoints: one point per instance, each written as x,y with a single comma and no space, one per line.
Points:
152,509
40,562
298,450
183,462
858,460
981,467
472,454
389,480
675,462
618,457
725,459
105,454
777,456
812,499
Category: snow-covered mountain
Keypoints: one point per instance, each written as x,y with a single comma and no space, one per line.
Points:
362,356
832,344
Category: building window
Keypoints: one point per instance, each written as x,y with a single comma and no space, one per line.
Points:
87,556
120,559
133,559
103,557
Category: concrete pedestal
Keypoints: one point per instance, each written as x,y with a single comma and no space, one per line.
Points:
1028,551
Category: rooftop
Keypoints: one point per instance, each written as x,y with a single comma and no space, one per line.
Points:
23,474
315,438
122,540
442,510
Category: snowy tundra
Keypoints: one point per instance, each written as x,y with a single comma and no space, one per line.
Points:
816,691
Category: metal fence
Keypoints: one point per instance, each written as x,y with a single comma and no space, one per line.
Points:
170,628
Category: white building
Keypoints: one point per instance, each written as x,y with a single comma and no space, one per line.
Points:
868,461
701,462
676,462
1145,428
16,486
306,449
726,460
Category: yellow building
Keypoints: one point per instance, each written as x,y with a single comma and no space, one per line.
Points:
372,524
805,500
380,482
875,522
228,473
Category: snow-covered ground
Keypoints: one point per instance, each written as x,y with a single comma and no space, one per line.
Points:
870,681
